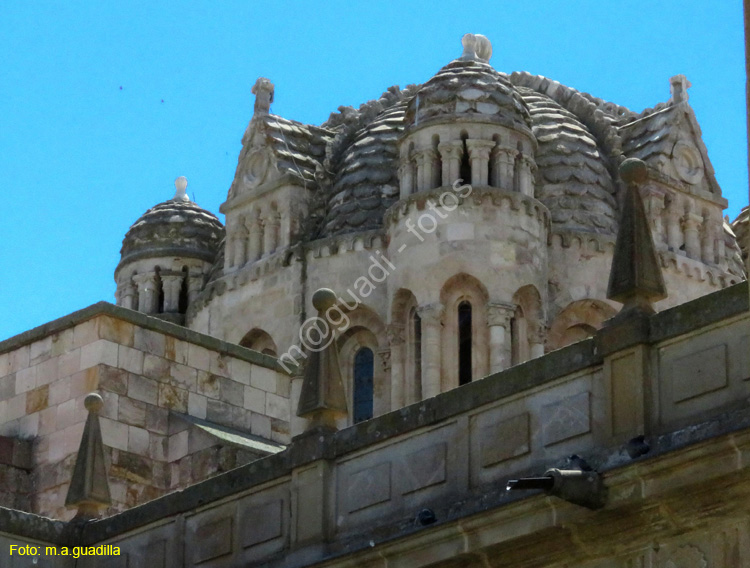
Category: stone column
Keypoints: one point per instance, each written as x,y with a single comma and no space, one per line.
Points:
691,224
526,167
674,232
499,315
479,154
708,240
425,165
396,340
503,162
240,245
127,295
148,295
536,341
653,200
431,316
721,252
172,285
195,284
229,252
451,153
256,240
406,176
271,236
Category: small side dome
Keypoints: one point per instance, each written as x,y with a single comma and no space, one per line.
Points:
177,227
166,256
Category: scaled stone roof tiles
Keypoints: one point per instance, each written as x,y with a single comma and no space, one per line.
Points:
575,182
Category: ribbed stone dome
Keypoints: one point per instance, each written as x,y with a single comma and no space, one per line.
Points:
575,183
367,181
177,227
469,89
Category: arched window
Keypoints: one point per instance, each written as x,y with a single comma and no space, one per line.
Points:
465,334
183,301
159,292
465,170
259,340
363,384
416,352
464,343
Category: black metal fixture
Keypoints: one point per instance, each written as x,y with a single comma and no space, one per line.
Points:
426,517
584,488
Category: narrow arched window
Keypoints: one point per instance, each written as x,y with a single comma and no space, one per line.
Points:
160,292
464,343
417,353
183,301
465,170
363,384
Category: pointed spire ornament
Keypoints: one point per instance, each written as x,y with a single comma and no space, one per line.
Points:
89,488
323,399
635,278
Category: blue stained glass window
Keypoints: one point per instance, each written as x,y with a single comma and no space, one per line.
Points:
363,384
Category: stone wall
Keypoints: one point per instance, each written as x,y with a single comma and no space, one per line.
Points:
15,473
154,378
353,498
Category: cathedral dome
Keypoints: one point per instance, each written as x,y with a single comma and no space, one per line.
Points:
469,87
177,227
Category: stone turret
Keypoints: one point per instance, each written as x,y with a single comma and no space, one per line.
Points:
166,256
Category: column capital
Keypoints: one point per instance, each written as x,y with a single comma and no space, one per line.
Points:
500,313
426,155
241,229
431,313
538,334
527,161
144,279
504,151
479,148
692,220
127,287
395,333
385,359
451,148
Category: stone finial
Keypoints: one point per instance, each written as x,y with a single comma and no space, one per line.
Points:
635,278
476,48
180,185
89,488
678,86
263,91
323,399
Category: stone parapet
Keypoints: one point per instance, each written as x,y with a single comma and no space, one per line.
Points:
673,384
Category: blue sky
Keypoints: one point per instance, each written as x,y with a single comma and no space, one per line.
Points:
102,106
